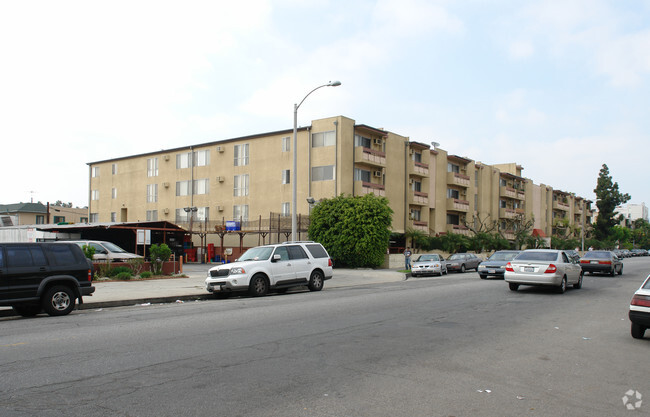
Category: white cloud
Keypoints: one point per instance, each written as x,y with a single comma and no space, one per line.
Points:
521,49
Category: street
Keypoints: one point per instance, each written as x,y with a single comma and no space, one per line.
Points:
445,346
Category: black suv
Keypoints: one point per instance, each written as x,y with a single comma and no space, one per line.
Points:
43,276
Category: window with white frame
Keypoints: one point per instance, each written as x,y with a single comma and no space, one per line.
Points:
202,186
362,141
152,167
286,210
202,158
94,194
183,160
183,188
202,214
94,172
113,217
182,216
361,175
114,193
286,176
152,193
114,169
241,185
286,144
415,214
323,139
240,212
241,155
451,193
322,173
94,217
152,215
453,168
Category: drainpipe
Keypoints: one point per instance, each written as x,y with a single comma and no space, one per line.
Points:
336,160
406,183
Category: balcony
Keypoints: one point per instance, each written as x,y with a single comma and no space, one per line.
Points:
559,205
418,198
363,188
458,229
508,234
577,209
454,204
507,213
454,178
369,156
419,225
418,169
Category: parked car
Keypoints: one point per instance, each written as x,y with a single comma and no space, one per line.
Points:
640,310
545,267
46,277
272,268
639,252
106,251
602,261
495,265
429,264
462,262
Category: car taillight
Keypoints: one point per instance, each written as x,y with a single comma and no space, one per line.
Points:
329,262
509,267
605,262
584,261
551,269
90,275
640,300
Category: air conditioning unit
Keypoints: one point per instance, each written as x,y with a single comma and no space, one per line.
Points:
221,149
377,174
411,181
377,141
221,179
219,208
166,184
166,157
166,211
411,151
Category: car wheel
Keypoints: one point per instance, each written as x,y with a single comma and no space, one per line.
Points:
578,284
562,288
482,276
620,271
513,286
316,281
258,286
27,310
637,331
59,300
612,272
462,268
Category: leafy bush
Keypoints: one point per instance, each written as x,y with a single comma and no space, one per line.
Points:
124,275
146,274
136,265
118,270
89,251
159,254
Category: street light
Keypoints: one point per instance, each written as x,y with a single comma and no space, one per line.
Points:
295,158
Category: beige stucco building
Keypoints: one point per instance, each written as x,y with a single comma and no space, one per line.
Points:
249,179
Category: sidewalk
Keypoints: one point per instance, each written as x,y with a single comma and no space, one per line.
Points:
169,290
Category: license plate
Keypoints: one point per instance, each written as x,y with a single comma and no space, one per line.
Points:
529,269
594,262
491,271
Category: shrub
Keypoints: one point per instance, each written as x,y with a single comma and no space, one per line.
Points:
124,275
118,270
159,254
136,265
89,251
146,274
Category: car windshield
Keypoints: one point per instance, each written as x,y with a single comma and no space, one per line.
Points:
455,256
260,253
646,285
537,256
503,256
112,247
425,258
596,254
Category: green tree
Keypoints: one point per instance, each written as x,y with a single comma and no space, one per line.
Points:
454,242
158,255
608,197
354,230
89,251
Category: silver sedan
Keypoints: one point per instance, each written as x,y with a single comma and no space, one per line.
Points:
429,264
545,267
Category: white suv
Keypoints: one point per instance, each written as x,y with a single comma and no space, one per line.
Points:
273,267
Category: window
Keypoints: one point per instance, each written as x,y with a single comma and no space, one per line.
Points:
59,219
451,193
202,158
113,217
323,139
152,215
152,193
83,220
286,210
183,160
63,255
417,156
323,173
453,168
114,169
202,186
202,214
94,217
416,186
362,141
453,219
415,215
240,212
114,193
296,252
476,178
182,216
286,144
361,175
241,185
94,195
502,182
152,167
94,172
241,155
182,188
286,176
40,219
502,204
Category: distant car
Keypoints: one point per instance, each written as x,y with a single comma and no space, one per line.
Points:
640,310
544,267
602,261
461,262
639,252
429,264
106,251
495,265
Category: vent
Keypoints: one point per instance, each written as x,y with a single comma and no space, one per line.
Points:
219,208
377,141
166,211
221,149
166,184
166,157
377,174
221,179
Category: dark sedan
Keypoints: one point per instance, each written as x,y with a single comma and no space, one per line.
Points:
602,261
495,265
460,262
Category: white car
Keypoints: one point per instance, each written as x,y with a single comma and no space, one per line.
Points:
272,268
640,310
106,251
429,264
545,267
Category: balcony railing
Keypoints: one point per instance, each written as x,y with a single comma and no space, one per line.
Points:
559,205
369,156
419,169
418,198
370,188
455,204
454,178
458,229
419,225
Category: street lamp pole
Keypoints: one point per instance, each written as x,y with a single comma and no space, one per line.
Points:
294,198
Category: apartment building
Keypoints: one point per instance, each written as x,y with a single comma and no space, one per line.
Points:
249,180
20,214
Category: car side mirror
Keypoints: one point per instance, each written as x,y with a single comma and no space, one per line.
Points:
276,258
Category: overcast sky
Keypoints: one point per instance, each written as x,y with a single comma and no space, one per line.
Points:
559,87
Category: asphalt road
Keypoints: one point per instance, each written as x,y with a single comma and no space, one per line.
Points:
450,346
